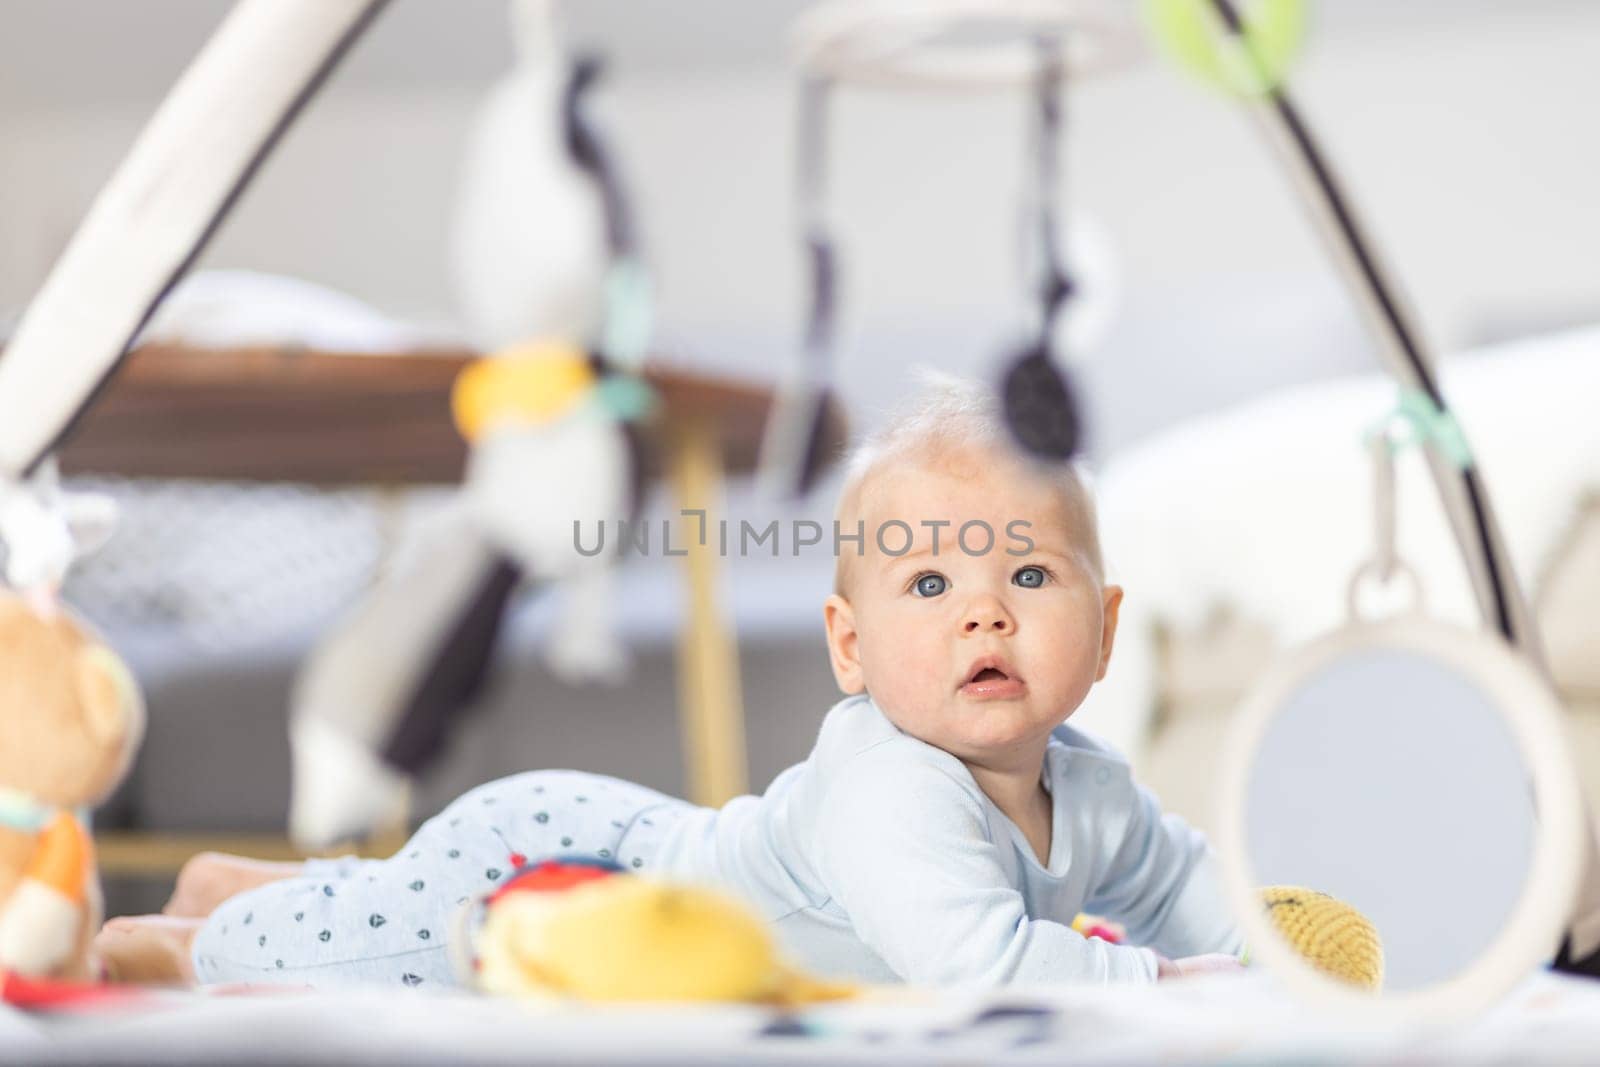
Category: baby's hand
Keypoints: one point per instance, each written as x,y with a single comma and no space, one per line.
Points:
1191,965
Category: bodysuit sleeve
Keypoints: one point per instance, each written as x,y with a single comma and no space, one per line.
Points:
905,849
1161,881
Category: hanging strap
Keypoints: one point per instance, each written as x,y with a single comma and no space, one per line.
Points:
791,447
1053,286
629,295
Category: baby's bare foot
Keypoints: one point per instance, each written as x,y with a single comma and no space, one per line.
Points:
147,949
210,878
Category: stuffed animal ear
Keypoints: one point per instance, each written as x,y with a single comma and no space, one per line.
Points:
113,710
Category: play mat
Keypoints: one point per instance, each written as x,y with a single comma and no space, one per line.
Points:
1214,1020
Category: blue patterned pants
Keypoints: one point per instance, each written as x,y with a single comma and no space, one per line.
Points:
389,921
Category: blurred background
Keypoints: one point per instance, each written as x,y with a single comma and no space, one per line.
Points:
1463,127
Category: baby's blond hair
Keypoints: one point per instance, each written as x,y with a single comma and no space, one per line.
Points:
943,422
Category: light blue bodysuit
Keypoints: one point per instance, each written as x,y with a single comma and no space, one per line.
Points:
878,858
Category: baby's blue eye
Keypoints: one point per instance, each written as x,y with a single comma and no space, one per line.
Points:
930,585
1029,577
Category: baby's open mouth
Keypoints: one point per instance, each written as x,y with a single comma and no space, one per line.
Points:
991,677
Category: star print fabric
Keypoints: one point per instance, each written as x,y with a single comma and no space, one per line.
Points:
390,921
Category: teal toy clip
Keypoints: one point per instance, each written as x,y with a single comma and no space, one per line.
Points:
1427,424
629,312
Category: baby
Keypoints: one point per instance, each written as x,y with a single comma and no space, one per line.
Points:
946,827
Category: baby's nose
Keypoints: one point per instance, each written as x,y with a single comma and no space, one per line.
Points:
987,616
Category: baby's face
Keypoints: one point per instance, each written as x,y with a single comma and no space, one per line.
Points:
980,653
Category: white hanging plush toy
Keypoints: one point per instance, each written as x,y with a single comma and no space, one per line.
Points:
529,253
534,249
551,290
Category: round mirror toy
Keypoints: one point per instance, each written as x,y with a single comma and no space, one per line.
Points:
1405,786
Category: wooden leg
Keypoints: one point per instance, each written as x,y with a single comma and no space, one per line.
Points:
710,708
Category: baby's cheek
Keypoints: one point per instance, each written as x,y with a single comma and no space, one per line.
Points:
902,675
1066,667
890,674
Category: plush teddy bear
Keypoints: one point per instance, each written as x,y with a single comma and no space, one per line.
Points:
71,717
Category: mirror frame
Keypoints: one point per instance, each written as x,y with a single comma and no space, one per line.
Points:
1530,710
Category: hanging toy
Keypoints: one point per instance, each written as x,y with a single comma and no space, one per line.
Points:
1039,403
561,418
528,253
549,417
886,42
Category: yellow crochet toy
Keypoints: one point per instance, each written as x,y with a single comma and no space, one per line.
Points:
1328,933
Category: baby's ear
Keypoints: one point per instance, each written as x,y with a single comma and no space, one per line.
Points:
113,710
1111,606
843,646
